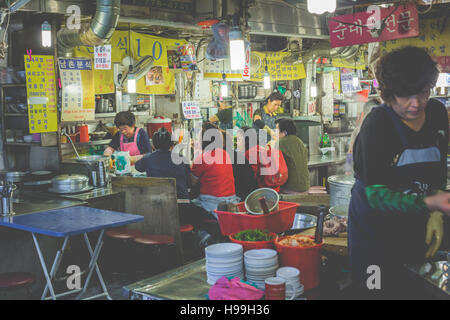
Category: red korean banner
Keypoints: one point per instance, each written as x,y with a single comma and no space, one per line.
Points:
399,22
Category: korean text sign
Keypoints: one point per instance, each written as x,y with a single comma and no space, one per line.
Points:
41,93
78,98
277,69
434,37
191,110
400,22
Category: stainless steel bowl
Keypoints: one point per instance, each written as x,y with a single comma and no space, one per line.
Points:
252,204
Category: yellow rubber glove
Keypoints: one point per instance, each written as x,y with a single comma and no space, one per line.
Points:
435,233
269,131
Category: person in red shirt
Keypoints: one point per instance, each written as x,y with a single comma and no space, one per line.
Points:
213,170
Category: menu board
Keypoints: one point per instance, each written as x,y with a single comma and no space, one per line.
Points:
275,66
102,57
41,93
78,98
191,110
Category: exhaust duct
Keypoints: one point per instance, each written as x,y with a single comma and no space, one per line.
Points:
98,32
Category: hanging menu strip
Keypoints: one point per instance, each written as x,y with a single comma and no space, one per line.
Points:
41,93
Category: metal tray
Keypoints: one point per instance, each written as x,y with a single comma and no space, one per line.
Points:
88,188
303,221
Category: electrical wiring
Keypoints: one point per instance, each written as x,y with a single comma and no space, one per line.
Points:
3,44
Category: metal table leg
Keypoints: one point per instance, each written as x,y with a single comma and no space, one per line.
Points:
54,269
93,264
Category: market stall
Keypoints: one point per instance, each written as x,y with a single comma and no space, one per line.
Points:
108,106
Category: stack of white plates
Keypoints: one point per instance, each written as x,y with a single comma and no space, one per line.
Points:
292,277
260,264
224,259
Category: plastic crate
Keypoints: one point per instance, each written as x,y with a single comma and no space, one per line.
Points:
276,221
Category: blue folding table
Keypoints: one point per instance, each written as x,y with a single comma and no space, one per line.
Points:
64,223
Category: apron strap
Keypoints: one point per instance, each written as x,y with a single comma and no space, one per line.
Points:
397,124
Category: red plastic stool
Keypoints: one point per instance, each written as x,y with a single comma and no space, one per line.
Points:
123,234
16,280
186,228
151,245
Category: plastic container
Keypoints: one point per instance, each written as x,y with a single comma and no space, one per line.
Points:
156,123
306,259
249,245
276,221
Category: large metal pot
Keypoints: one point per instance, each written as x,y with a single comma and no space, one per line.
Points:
340,193
14,176
97,166
70,183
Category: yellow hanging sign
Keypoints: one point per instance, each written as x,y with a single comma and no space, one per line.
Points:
350,63
41,93
141,45
434,37
277,69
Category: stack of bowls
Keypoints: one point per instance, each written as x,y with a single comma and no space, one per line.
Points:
260,264
224,259
292,277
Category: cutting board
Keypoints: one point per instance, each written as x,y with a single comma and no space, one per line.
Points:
337,245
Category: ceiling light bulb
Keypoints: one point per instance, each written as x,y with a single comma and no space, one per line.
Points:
131,84
355,81
313,90
237,49
46,34
266,80
321,6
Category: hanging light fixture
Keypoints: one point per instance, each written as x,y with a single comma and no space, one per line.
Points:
313,89
224,87
46,34
131,83
321,6
237,46
267,79
355,80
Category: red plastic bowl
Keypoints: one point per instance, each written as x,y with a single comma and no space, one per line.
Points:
276,221
249,245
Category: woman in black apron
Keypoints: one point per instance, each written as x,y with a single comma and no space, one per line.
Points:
400,162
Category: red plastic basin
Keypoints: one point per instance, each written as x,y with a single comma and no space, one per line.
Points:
276,221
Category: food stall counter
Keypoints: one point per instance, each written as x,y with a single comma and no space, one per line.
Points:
187,282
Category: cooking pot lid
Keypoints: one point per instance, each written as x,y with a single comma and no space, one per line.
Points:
70,178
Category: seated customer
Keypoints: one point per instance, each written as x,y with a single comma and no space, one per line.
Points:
295,155
244,178
160,164
129,138
267,163
212,169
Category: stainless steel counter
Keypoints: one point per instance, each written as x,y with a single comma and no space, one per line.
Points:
326,160
29,204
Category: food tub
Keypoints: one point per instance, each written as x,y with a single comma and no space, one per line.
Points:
276,221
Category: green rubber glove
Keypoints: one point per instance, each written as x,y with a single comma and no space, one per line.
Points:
435,233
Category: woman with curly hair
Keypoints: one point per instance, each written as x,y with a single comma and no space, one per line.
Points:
400,164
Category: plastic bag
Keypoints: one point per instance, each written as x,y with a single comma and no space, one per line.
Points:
122,162
234,289
218,47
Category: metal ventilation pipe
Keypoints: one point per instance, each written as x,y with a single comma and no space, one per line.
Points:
323,49
98,32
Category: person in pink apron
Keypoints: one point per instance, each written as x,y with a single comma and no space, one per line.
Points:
129,138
